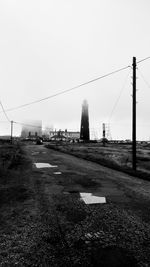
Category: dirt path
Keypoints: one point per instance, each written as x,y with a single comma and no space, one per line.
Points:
119,188
52,226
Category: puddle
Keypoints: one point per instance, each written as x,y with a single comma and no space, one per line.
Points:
45,165
88,198
57,172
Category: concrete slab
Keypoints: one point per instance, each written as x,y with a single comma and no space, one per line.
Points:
44,165
89,198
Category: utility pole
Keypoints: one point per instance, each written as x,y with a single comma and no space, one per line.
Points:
11,137
104,131
134,116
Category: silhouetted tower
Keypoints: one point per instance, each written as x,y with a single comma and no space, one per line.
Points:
84,131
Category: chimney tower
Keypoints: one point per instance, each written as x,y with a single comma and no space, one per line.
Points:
84,131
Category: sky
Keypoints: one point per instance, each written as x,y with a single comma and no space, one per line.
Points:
47,46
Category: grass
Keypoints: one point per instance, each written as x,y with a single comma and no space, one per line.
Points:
15,194
13,161
115,156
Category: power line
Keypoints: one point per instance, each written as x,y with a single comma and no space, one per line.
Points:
71,89
144,79
68,90
143,60
4,111
119,96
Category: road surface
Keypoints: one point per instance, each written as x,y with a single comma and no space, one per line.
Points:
89,234
118,188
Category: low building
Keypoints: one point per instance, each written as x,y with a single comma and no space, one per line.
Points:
64,135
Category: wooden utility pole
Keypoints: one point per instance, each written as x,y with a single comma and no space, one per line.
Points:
11,137
134,116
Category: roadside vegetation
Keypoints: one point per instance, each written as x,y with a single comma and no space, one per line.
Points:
15,194
13,162
115,156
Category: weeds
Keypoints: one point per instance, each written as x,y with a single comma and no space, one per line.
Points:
112,156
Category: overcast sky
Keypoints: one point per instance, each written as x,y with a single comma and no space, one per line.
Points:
47,46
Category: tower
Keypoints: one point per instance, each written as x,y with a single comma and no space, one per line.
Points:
84,131
106,131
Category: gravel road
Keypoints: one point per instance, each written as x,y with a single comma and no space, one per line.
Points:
54,227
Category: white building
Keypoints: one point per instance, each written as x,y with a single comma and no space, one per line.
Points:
64,135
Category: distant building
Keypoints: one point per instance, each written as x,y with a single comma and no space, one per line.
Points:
84,130
58,136
32,129
64,135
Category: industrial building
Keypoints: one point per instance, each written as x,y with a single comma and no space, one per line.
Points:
31,129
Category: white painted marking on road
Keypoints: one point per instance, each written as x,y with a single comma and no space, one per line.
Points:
57,172
88,198
45,165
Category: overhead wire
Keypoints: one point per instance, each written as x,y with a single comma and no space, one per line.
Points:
119,96
143,60
68,90
4,112
144,79
73,88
